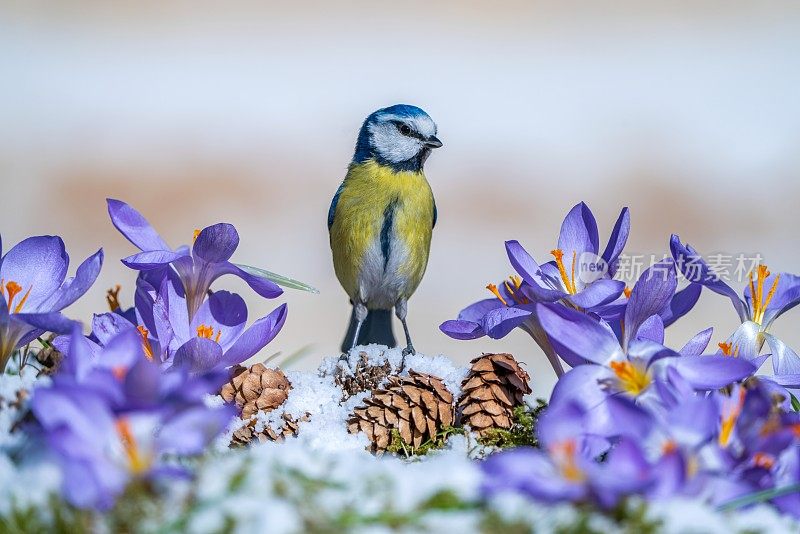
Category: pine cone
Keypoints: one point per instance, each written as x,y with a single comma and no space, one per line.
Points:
247,433
49,357
256,388
418,406
365,377
494,386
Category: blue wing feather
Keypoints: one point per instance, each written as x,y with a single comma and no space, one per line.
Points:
334,202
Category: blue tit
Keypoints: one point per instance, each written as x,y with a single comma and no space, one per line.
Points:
381,220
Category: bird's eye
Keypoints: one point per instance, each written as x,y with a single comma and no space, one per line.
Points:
404,129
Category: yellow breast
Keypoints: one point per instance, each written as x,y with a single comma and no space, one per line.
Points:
368,189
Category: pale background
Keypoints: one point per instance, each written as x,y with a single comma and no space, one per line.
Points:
197,113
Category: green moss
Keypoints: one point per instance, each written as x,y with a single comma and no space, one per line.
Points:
522,432
399,447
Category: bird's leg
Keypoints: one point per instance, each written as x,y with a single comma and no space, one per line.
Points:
361,315
401,309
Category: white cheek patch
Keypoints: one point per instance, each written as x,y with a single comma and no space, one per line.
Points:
391,144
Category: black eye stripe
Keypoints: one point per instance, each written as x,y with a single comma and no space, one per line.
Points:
406,130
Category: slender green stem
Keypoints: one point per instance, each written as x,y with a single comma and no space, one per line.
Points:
758,497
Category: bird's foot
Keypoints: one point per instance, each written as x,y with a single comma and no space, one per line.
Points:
406,351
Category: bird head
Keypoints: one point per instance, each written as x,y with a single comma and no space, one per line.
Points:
399,136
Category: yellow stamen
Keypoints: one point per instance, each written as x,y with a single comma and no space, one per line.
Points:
728,422
496,293
569,282
137,463
757,298
632,377
516,282
112,298
627,292
196,233
563,455
148,349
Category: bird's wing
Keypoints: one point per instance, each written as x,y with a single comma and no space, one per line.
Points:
334,202
435,214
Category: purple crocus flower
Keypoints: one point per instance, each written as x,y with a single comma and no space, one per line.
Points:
112,416
629,366
578,277
195,269
765,298
215,337
566,466
34,289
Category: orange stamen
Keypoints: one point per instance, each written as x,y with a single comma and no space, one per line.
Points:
496,293
516,282
148,349
762,459
757,298
669,447
136,462
627,291
112,298
564,456
569,283
728,349
729,422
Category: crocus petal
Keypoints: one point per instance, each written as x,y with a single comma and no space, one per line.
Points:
38,264
475,312
712,371
695,269
227,312
134,226
617,240
458,329
529,270
75,288
575,336
652,329
107,325
152,259
650,295
189,432
747,340
785,361
122,350
82,354
681,303
256,337
698,344
578,233
786,296
262,286
198,355
499,322
598,293
216,243
143,384
49,322
580,385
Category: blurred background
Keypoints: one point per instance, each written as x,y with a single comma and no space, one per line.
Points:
195,113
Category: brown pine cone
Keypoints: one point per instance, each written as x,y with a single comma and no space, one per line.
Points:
495,385
247,433
365,377
417,406
49,357
256,388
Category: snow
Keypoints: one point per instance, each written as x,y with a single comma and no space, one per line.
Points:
326,472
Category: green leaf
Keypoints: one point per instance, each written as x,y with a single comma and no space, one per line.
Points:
759,496
795,403
277,278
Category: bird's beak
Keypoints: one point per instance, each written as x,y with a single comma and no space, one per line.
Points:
433,142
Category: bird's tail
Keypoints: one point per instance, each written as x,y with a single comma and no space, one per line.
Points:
377,328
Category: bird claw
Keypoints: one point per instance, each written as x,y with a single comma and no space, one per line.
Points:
406,351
